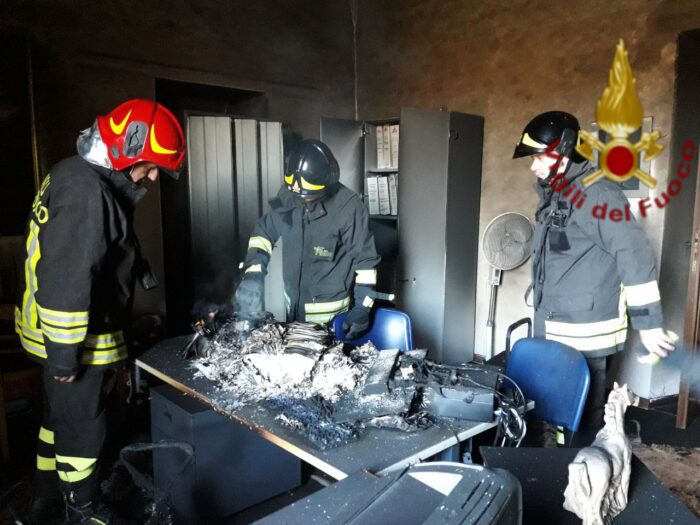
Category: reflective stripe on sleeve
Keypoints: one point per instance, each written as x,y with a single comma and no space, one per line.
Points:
642,294
63,319
367,277
261,243
64,335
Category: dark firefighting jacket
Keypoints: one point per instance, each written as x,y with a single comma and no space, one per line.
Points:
589,273
79,270
327,249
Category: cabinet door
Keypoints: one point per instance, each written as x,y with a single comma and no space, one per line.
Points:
345,138
423,157
212,209
272,173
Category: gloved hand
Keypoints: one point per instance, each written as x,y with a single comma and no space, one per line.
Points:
356,323
657,341
250,296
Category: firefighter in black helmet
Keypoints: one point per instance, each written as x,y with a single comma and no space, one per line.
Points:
329,251
588,274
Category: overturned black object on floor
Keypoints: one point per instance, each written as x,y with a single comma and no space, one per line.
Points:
428,493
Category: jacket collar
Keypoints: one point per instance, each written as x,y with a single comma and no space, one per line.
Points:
121,185
290,201
573,172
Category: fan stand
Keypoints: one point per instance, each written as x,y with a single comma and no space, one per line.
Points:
494,282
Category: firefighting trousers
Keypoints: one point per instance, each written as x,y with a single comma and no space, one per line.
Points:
72,435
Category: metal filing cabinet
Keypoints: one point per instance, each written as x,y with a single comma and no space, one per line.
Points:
432,247
233,469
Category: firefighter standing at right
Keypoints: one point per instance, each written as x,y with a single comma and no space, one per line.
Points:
588,274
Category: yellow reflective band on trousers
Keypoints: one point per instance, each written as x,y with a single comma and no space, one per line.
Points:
560,436
46,436
43,463
368,277
325,312
82,468
261,243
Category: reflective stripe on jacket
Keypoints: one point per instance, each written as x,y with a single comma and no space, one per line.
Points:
79,268
591,273
328,247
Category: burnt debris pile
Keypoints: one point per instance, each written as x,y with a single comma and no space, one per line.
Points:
329,391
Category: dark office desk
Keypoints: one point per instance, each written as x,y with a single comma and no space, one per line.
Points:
543,474
377,451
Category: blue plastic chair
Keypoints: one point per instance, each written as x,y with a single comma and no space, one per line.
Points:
555,376
390,329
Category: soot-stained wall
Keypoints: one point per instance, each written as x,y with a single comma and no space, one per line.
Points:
90,56
509,61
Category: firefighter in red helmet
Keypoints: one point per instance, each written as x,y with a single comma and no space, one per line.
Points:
82,260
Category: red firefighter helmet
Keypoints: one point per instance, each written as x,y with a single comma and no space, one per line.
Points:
143,131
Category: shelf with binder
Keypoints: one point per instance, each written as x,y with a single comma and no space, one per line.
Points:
429,246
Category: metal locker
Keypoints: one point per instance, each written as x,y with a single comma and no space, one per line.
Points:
439,194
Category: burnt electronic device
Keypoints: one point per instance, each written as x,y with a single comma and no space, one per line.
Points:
467,391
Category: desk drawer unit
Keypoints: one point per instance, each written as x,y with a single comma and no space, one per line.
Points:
233,467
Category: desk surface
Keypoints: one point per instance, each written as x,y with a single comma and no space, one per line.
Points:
377,450
543,474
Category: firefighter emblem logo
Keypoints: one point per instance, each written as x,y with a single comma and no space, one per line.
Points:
619,113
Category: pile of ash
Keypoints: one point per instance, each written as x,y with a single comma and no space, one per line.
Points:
296,361
320,387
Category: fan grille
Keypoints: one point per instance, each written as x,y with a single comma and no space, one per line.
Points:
507,241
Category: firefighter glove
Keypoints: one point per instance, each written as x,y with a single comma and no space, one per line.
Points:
250,296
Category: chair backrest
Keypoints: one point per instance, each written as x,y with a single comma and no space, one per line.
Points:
555,376
390,329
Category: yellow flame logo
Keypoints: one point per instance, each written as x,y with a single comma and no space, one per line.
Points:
118,128
619,112
157,148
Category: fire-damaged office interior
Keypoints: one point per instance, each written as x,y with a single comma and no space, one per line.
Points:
349,262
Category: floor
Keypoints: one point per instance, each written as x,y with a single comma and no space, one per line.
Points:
669,452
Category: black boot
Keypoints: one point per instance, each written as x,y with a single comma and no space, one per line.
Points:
93,513
46,511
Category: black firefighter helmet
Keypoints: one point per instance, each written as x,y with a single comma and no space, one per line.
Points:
555,131
311,168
